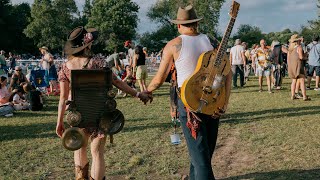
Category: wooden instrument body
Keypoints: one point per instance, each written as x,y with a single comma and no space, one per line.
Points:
210,76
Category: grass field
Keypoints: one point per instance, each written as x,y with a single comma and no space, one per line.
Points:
262,136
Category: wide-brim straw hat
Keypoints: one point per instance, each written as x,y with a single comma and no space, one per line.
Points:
186,15
80,38
295,38
44,48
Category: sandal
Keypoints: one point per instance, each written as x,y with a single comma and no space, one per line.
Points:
298,95
307,99
293,97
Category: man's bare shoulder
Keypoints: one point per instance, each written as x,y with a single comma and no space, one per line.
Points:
174,45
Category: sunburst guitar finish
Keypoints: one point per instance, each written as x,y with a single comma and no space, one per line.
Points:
204,91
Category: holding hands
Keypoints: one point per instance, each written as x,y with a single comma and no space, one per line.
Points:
145,96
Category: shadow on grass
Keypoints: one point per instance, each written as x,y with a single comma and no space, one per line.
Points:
285,174
137,119
44,130
145,127
245,117
34,113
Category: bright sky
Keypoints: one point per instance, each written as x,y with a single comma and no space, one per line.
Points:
269,15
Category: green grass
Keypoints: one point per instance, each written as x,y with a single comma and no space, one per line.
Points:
262,136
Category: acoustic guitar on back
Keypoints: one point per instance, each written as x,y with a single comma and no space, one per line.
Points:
204,91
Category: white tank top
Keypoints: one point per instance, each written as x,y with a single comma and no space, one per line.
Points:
192,48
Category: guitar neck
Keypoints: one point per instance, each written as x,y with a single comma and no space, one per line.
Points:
224,42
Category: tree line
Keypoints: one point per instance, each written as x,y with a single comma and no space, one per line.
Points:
24,28
164,10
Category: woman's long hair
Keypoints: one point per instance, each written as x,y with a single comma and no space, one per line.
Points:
292,46
2,78
139,51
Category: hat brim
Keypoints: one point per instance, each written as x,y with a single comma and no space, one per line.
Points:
43,49
295,40
69,50
175,21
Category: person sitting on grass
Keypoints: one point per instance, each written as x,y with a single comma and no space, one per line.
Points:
17,78
6,108
33,97
4,92
17,98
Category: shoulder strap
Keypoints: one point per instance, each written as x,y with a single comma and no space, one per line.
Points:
85,66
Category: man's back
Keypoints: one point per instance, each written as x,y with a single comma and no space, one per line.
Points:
236,52
112,58
186,59
314,54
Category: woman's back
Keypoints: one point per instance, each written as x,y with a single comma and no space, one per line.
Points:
79,63
294,64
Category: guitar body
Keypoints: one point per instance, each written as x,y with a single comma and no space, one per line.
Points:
206,84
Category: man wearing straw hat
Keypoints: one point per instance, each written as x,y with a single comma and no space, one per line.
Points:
200,130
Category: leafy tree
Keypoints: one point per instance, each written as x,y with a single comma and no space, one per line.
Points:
5,8
249,34
312,28
50,22
116,21
83,18
19,15
165,10
282,36
156,40
13,19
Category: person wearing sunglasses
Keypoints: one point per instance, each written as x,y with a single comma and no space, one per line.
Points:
17,78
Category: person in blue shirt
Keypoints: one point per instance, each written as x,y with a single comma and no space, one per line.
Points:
314,61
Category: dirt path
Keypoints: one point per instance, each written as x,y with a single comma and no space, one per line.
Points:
230,159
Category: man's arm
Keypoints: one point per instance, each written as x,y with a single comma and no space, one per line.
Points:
165,64
230,58
243,58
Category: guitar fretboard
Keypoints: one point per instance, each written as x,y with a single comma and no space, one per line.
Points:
224,42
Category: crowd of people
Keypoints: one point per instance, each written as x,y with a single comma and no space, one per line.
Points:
20,91
298,60
26,86
130,67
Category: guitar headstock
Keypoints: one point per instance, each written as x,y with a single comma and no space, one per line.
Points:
234,9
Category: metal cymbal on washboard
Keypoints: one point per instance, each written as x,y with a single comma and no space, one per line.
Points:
112,122
73,139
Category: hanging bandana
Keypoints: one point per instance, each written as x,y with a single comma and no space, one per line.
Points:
193,123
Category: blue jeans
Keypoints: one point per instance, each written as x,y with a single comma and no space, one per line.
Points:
200,149
4,110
